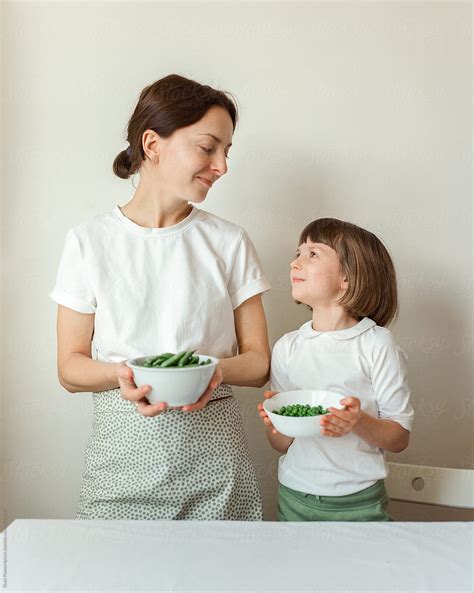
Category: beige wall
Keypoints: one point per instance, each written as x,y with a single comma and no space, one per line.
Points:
359,111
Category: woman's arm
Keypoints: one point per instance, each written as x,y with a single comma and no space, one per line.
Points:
76,370
250,368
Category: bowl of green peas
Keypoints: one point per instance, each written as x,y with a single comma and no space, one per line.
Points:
298,413
178,379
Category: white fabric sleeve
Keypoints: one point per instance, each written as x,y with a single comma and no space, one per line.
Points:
246,274
72,288
278,369
389,381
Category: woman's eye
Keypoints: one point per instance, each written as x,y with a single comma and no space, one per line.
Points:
209,150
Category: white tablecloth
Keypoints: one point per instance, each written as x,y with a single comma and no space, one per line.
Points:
221,556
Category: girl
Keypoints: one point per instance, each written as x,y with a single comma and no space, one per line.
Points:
346,276
158,274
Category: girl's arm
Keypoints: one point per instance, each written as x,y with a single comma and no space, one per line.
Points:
77,371
379,432
278,441
382,433
391,431
250,368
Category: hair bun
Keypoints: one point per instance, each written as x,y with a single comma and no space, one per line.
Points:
122,163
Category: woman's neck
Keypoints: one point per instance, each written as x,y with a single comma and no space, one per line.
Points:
156,212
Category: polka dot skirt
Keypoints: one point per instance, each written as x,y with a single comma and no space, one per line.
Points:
177,465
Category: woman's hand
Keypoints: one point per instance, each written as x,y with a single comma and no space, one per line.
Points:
339,422
206,396
263,414
137,395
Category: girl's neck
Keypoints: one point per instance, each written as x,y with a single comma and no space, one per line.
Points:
332,319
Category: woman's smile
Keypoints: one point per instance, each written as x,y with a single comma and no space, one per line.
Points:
205,182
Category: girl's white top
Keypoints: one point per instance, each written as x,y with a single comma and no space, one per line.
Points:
362,361
159,289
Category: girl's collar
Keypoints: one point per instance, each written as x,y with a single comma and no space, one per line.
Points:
307,331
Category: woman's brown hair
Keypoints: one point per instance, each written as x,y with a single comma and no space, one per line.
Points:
168,104
364,260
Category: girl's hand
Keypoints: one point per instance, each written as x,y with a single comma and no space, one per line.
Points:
263,414
340,422
206,396
137,395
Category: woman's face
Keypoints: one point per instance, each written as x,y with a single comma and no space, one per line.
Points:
195,157
316,275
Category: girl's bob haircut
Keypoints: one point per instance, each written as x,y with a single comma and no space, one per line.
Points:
367,265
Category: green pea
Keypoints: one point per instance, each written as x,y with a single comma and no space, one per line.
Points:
301,410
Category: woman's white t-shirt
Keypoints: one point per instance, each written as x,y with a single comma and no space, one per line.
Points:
362,361
159,289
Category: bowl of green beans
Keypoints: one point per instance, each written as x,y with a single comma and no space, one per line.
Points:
298,413
178,379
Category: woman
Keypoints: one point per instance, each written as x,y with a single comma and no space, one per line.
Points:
155,275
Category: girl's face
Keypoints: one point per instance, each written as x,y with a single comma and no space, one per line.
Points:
193,158
316,275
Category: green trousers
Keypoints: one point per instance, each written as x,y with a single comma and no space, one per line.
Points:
367,505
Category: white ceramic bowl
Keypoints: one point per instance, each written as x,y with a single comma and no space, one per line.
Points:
305,426
173,385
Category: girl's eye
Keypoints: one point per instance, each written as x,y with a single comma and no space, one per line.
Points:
313,253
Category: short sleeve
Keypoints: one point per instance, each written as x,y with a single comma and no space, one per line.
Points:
278,369
389,381
72,288
246,274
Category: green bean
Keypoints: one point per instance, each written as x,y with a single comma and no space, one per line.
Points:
152,360
157,362
186,358
173,360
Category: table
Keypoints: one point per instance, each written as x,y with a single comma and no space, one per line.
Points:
228,556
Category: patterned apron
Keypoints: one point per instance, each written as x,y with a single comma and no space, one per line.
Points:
177,465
